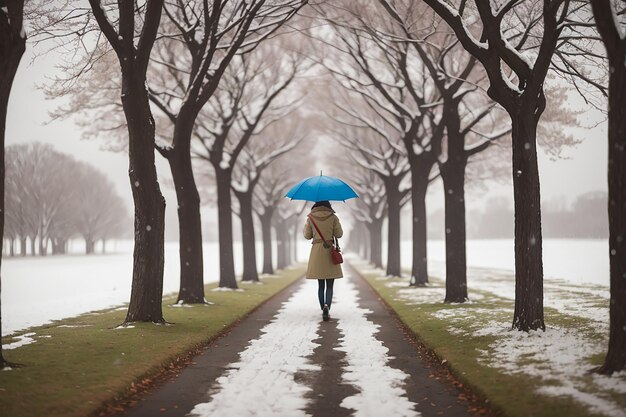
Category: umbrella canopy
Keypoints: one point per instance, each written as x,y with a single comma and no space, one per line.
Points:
320,188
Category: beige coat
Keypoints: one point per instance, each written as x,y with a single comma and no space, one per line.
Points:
321,265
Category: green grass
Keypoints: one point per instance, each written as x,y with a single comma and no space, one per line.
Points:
76,371
512,394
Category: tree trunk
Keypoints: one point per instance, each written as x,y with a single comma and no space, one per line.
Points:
453,175
22,246
281,244
294,242
248,242
393,230
365,249
286,245
63,246
43,251
12,247
528,314
615,360
419,186
148,257
90,245
225,228
189,222
12,47
104,246
375,229
266,229
33,252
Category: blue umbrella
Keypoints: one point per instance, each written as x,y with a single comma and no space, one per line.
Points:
320,188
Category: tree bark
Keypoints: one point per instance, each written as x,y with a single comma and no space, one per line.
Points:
419,182
281,246
375,229
191,290
453,175
43,250
12,47
528,314
394,267
90,245
22,245
248,242
33,251
615,359
148,256
266,230
225,228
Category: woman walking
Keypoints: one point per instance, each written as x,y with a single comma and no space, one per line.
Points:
323,226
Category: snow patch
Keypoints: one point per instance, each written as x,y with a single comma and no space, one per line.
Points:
22,340
226,289
422,295
381,386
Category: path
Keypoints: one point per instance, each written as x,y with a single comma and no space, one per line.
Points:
283,360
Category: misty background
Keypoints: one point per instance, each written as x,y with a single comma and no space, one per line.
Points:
573,186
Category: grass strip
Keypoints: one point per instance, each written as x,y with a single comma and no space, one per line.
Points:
78,365
454,340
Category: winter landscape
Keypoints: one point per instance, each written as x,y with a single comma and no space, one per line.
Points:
294,208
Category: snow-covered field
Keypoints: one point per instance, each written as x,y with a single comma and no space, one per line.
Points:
36,290
559,358
573,260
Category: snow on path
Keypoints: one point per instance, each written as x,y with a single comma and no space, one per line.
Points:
381,387
262,382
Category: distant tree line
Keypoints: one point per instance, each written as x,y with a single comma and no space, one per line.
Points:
585,218
51,198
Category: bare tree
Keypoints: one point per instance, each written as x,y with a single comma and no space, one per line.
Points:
268,194
237,111
374,149
53,197
12,47
277,139
98,211
132,37
371,209
211,34
286,220
611,22
516,45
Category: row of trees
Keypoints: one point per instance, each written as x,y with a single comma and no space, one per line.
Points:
51,198
425,96
412,97
168,61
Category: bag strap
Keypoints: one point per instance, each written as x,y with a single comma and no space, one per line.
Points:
316,228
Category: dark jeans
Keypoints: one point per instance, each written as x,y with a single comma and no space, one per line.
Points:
328,283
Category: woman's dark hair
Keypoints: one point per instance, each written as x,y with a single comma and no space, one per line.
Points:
324,203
